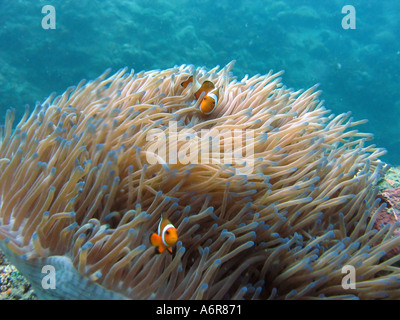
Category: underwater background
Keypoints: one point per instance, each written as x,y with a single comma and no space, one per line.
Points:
358,69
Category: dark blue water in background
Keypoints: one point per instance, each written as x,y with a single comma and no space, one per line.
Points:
358,70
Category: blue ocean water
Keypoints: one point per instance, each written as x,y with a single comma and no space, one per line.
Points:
358,69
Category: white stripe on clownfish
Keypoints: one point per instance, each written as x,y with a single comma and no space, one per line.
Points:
168,226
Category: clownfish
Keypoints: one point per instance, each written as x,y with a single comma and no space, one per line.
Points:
187,82
209,102
211,95
166,236
206,87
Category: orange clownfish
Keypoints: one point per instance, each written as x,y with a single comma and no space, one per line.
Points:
166,236
209,102
211,95
187,82
206,87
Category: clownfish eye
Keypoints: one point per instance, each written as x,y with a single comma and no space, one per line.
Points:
167,232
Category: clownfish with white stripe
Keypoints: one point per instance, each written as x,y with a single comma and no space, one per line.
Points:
206,87
209,102
211,94
166,236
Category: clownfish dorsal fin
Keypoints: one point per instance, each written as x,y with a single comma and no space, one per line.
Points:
159,228
163,222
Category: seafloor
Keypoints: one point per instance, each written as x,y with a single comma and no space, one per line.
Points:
13,285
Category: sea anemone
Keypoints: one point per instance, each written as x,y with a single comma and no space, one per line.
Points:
86,177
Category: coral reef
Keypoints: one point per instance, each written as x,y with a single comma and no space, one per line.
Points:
13,286
78,192
391,180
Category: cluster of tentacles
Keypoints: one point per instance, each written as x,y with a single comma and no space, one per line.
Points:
77,191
